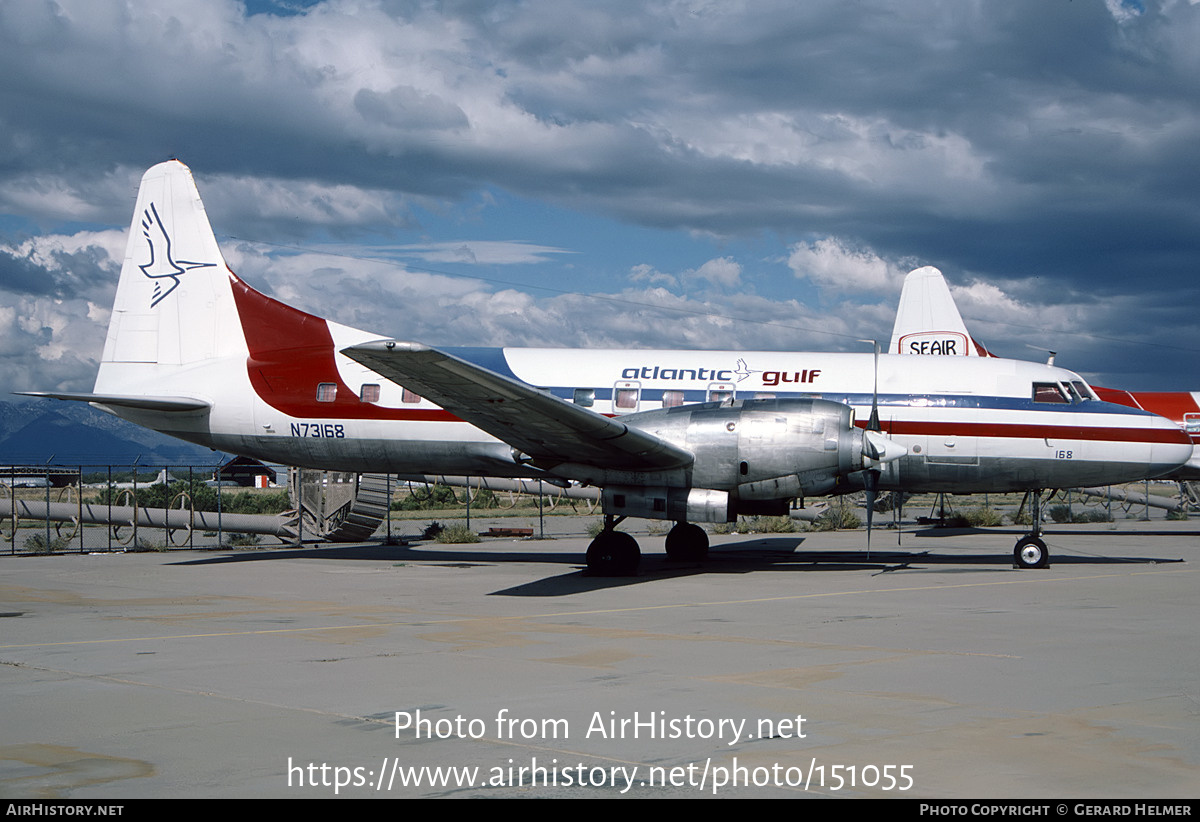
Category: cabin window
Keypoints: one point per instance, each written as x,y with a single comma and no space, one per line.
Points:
764,395
1049,392
585,397
626,398
410,397
327,392
369,392
720,392
672,399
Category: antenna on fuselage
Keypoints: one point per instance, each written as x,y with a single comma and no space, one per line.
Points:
1051,354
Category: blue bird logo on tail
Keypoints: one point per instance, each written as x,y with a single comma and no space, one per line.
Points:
162,268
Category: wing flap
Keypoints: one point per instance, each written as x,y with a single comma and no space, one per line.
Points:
550,430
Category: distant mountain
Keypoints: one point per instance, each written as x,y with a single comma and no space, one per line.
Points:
74,433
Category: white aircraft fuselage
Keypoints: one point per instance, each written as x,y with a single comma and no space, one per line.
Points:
968,425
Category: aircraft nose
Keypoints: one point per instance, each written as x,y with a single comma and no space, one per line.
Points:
1171,451
1168,457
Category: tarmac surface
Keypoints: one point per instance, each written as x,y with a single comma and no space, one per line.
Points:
786,665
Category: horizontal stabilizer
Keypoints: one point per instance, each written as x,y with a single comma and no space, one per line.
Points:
125,400
550,430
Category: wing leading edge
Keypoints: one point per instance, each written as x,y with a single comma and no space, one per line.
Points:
550,430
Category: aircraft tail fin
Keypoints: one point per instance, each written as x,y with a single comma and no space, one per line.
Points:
927,320
174,304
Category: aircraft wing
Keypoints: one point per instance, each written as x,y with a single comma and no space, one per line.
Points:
548,429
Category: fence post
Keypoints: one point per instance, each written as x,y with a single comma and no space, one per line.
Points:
191,507
49,547
79,505
109,496
12,495
220,524
135,505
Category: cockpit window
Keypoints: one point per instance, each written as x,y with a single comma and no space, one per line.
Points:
1191,423
1084,389
1049,392
1073,391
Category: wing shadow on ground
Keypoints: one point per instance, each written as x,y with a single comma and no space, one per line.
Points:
775,553
782,554
416,551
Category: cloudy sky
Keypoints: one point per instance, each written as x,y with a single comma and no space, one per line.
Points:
712,174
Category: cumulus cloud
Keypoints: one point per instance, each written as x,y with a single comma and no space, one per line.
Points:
1006,140
645,273
724,272
52,275
833,266
405,107
54,296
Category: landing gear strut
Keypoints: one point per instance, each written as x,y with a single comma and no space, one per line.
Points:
1030,551
613,553
687,543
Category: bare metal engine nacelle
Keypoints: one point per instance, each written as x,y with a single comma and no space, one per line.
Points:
751,456
662,502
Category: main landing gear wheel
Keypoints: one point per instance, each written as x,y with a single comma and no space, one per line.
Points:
1031,553
687,542
613,554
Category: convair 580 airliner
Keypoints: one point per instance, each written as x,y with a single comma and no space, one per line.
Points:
688,436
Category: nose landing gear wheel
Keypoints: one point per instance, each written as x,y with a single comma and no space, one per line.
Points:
1031,553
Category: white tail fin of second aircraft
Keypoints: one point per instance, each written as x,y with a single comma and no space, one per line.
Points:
927,320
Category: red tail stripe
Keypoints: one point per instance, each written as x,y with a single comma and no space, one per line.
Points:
291,353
